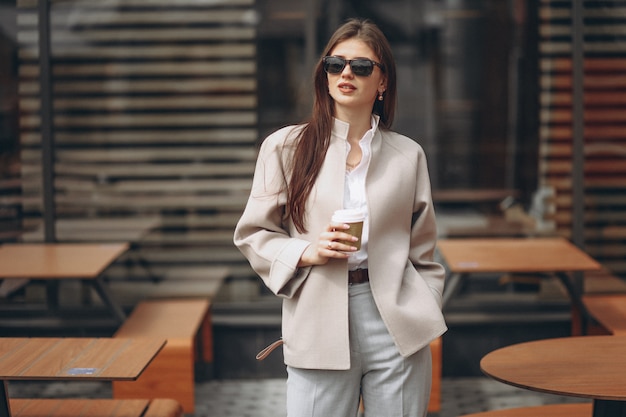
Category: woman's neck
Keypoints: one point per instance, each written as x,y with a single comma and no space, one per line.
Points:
359,124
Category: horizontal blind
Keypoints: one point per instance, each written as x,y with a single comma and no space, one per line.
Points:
155,118
604,120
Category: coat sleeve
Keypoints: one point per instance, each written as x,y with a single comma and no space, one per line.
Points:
262,234
424,232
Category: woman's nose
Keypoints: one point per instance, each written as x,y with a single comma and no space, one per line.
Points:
347,71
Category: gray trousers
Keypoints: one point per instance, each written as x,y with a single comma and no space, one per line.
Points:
391,385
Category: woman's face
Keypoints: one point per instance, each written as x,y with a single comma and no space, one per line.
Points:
353,92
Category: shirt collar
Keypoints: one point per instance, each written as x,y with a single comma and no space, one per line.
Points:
369,135
341,128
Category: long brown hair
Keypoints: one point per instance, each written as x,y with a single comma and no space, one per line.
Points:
314,139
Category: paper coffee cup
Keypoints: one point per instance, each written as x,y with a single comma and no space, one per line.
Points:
354,218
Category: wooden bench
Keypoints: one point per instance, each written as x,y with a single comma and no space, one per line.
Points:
434,405
553,410
605,301
186,324
609,311
159,407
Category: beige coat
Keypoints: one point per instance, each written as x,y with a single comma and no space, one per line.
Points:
406,283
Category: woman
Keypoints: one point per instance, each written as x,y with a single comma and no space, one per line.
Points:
354,322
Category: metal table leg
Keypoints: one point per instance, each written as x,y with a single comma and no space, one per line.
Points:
452,287
5,407
105,295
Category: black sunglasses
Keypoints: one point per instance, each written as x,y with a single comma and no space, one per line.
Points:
360,66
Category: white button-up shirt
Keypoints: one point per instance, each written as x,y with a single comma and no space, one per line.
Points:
354,192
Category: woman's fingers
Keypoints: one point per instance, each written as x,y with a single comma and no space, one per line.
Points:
336,240
332,244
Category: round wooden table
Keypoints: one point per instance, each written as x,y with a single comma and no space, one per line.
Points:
589,367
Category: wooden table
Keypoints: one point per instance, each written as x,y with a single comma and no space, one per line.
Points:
73,359
517,255
588,367
53,262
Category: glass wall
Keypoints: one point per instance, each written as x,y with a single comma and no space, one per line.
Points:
458,65
8,89
10,207
159,106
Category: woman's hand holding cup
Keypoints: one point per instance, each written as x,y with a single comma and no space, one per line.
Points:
353,219
338,240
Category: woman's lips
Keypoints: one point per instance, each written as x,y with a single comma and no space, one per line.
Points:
346,87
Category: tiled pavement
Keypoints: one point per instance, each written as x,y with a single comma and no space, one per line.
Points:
266,397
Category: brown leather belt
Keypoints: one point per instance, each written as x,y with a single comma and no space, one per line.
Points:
358,276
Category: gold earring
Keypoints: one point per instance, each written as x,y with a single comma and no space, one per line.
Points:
380,96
